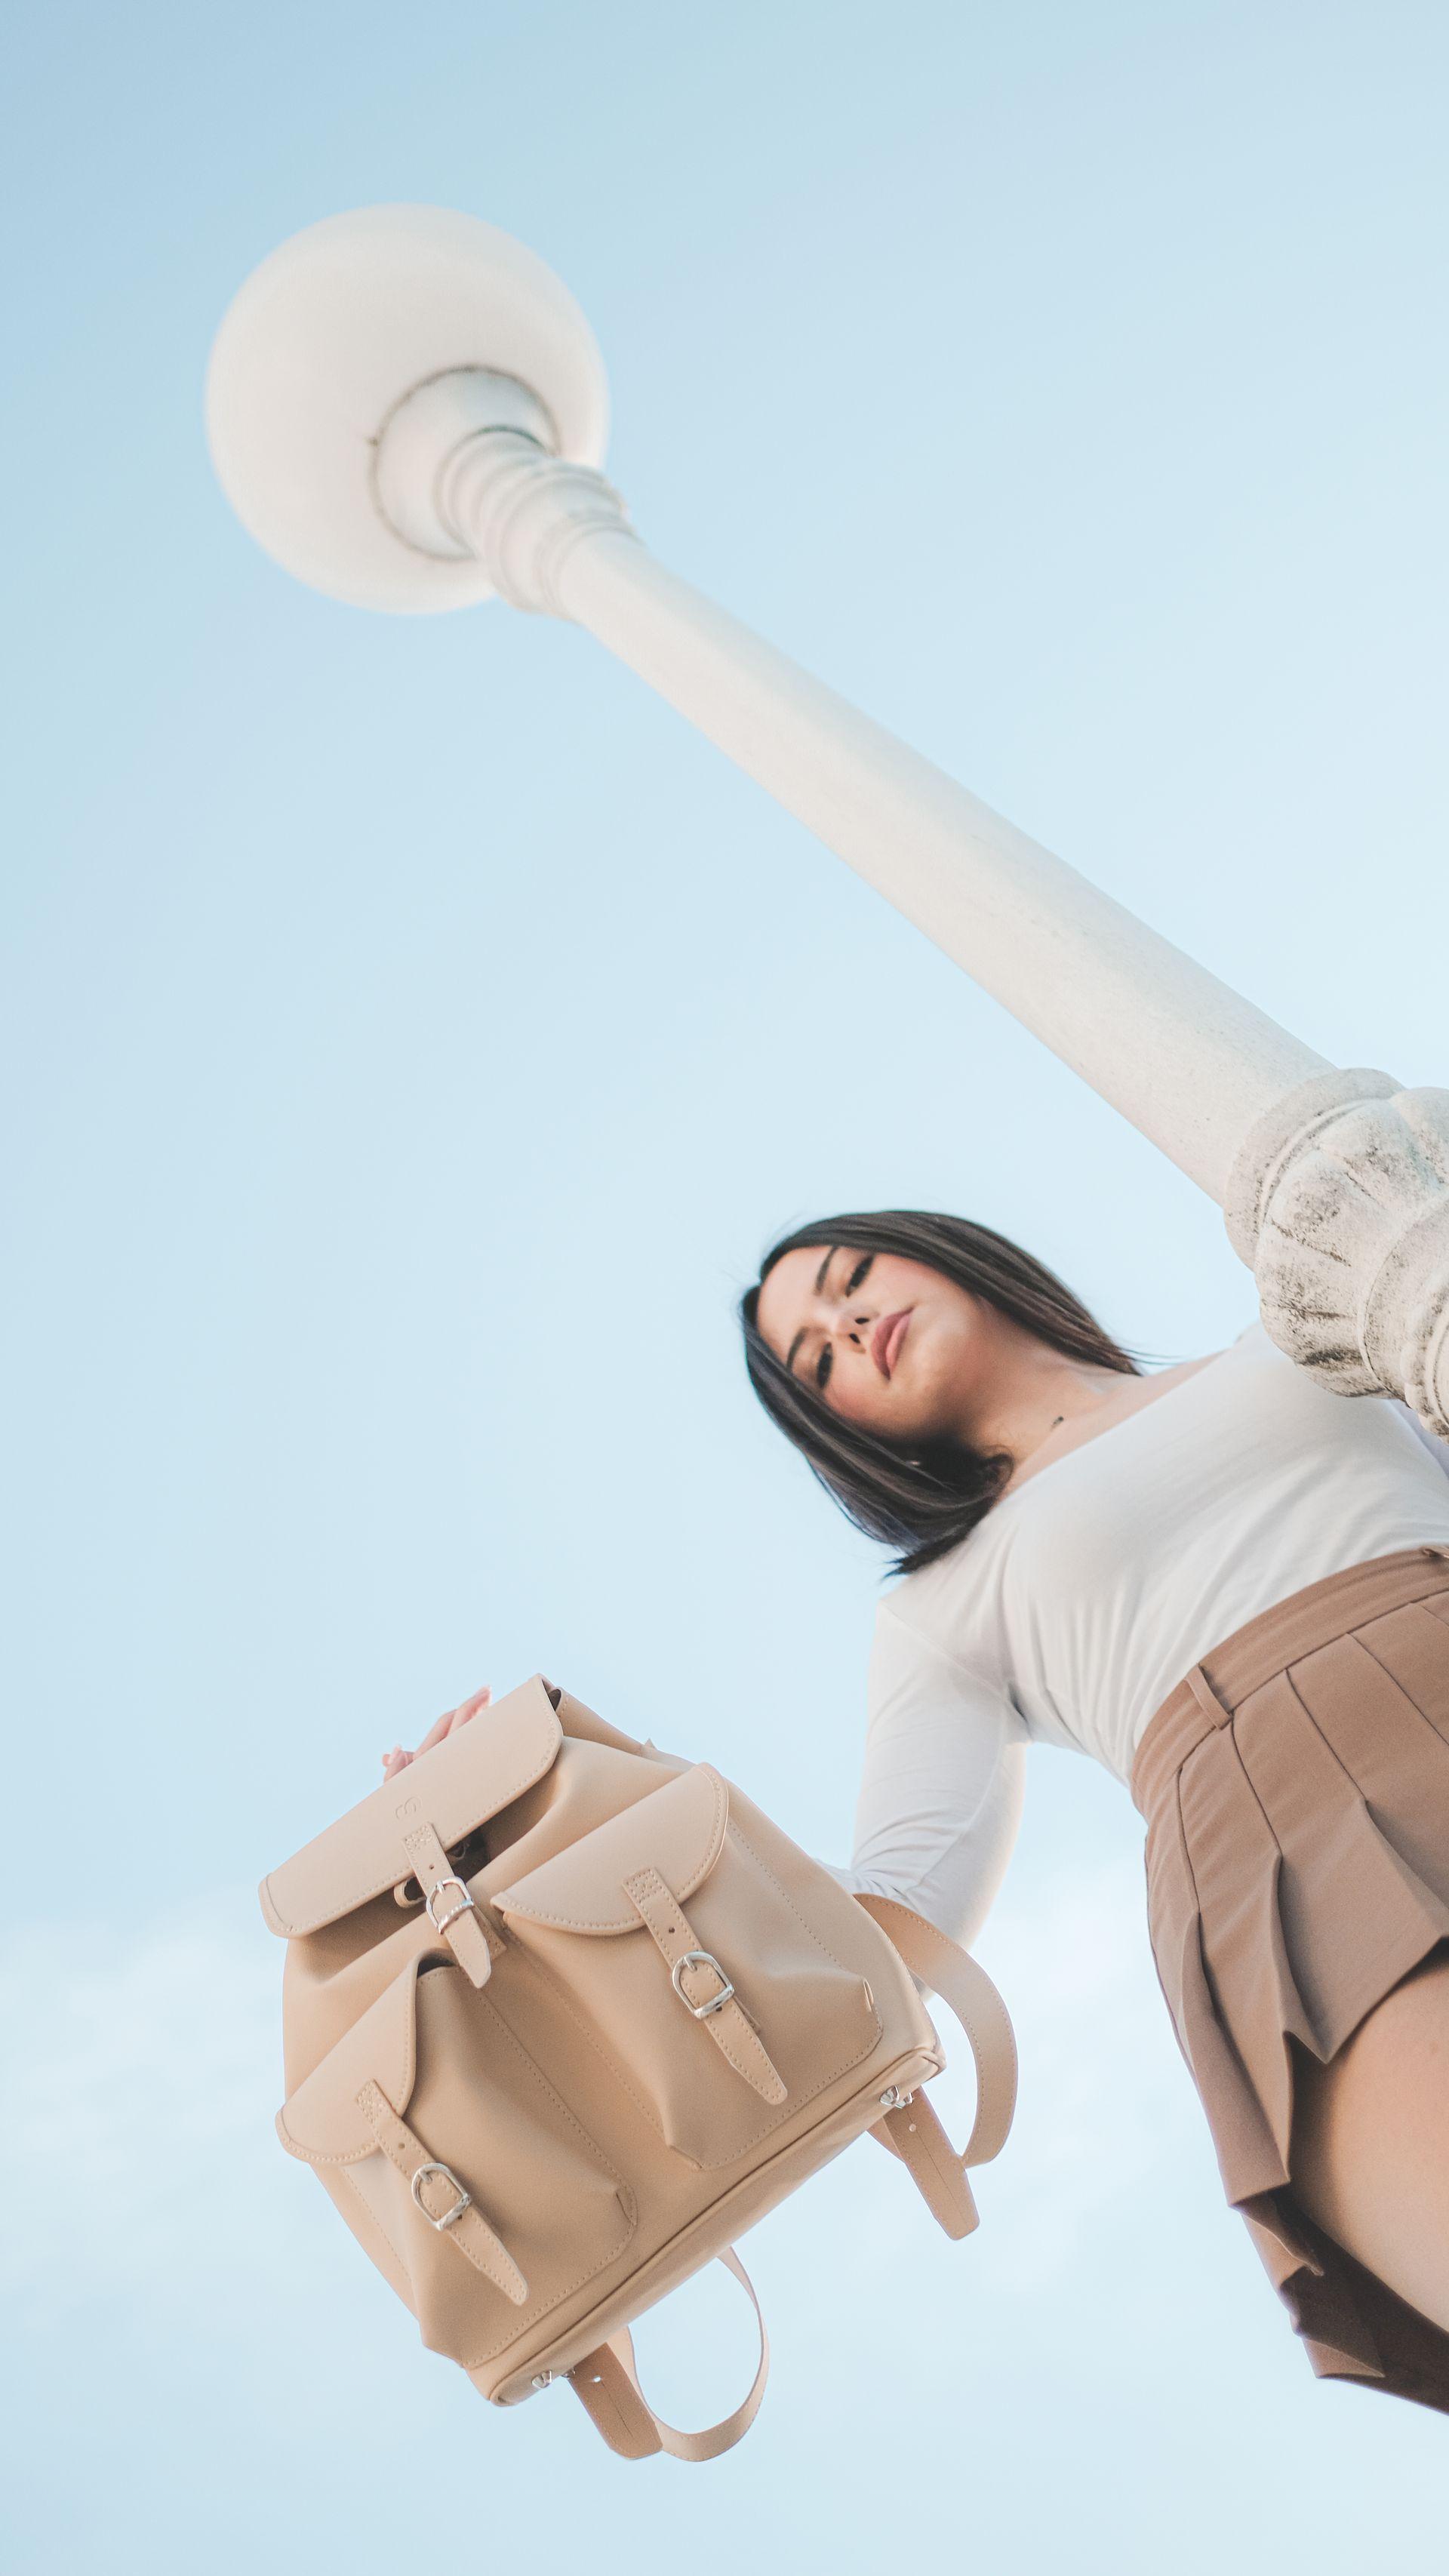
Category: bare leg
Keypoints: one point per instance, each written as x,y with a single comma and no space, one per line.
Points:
1371,2141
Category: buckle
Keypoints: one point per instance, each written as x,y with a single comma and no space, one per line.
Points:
464,2200
701,1959
440,1922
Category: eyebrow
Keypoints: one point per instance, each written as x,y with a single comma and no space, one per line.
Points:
830,1253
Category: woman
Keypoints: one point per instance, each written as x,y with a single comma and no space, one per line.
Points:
1169,1572
1232,1588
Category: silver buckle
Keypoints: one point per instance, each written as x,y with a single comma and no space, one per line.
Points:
464,2200
701,1959
465,1905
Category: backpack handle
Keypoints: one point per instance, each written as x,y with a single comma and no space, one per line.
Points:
607,2382
912,2131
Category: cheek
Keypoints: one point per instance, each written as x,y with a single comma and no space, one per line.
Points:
862,1400
906,1409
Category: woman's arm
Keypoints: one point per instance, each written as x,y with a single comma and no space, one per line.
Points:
941,1787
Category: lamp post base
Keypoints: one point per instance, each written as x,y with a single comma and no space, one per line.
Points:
1339,1204
324,344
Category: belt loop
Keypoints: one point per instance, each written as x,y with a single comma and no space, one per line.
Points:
1214,1709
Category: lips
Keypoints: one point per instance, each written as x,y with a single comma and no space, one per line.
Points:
886,1340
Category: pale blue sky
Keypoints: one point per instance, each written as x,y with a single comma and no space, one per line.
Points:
416,1034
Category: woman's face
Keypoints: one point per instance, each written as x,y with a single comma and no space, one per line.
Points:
888,1344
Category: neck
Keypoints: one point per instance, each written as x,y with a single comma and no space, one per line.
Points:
1031,1398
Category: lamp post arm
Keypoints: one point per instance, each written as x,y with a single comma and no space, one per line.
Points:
1334,1184
1182,1056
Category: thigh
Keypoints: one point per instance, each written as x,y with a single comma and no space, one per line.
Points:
1370,2154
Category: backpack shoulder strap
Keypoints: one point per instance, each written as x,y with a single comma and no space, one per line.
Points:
913,2131
607,2382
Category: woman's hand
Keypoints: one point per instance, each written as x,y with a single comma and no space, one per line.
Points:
398,1760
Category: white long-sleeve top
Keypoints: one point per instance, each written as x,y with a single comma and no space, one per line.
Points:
1087,1592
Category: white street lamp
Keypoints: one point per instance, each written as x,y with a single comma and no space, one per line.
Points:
408,410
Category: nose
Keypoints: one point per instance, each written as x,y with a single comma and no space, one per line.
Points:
851,1322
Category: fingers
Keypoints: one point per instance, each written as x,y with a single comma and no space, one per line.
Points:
454,1717
460,1715
442,1727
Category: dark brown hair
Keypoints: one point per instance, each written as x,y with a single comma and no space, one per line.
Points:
923,1500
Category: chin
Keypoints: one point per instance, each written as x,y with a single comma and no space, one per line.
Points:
900,1423
920,1418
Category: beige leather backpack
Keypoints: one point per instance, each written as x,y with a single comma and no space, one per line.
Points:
565,2014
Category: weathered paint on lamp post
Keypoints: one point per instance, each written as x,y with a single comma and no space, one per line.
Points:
409,411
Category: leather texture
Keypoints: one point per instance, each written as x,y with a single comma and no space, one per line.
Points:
564,2014
680,1833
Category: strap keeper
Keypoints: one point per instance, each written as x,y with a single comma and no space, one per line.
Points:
701,1959
463,2224
464,1905
459,1923
722,2015
450,2217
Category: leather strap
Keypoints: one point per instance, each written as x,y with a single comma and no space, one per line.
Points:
612,2401
464,1930
728,2025
607,2382
437,2194
913,2132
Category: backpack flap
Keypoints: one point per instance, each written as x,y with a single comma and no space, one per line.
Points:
352,2106
323,2122
726,2005
405,1828
677,1831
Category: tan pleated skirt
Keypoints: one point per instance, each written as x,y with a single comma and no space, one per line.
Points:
1296,1791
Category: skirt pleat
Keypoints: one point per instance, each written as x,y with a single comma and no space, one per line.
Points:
1296,1790
1243,2134
1237,1863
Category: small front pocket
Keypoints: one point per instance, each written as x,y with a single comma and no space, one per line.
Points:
434,2068
725,2011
